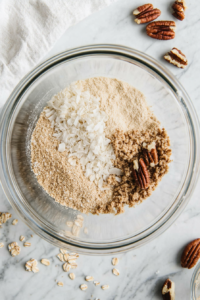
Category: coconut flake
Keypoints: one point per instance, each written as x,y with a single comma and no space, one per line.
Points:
115,171
118,179
61,147
151,146
135,165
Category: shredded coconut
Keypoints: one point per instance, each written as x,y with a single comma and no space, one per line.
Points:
79,125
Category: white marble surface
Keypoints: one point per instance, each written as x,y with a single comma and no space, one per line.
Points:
142,271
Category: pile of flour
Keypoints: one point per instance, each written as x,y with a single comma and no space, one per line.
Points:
124,105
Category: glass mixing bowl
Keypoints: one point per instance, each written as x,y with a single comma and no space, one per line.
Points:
106,233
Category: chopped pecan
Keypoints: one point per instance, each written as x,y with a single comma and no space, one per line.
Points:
150,157
168,290
177,58
191,254
141,175
179,8
146,13
154,154
161,30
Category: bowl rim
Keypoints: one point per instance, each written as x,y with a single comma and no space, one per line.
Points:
164,75
193,281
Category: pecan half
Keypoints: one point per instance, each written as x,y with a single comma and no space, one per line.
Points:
177,58
191,254
179,8
146,13
168,290
141,175
161,30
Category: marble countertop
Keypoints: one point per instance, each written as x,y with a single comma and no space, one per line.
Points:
142,271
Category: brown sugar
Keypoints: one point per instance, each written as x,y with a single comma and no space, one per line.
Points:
128,147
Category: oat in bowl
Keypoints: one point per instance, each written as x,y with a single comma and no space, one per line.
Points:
98,147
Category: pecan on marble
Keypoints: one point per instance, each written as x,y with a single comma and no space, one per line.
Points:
191,254
177,58
146,13
161,30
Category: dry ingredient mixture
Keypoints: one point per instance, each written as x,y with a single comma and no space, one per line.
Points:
94,147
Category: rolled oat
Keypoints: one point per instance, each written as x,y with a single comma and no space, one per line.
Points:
14,222
45,261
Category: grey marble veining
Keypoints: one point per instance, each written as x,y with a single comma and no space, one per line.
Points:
143,270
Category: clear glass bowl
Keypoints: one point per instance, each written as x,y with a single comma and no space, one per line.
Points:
195,284
106,233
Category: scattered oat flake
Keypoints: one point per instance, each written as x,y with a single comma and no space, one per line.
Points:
45,261
80,217
63,251
75,230
115,261
60,257
21,238
96,282
105,287
60,283
69,224
31,235
72,276
4,217
89,278
14,249
66,267
65,256
14,222
1,245
31,265
27,244
71,261
78,223
74,254
115,272
73,265
83,287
